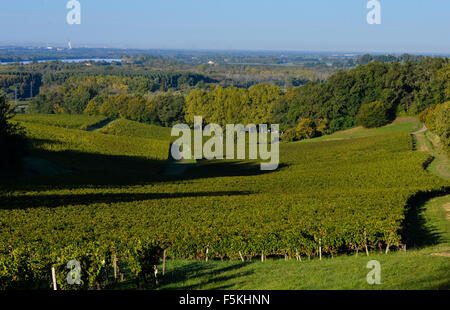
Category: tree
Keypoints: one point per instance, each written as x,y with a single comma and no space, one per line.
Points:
372,115
322,126
442,127
12,138
437,119
93,107
306,129
169,108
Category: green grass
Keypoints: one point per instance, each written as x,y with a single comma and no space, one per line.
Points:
440,166
406,124
411,270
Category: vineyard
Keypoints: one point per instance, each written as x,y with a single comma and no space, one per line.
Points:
327,198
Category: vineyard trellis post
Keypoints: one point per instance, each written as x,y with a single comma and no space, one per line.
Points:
115,267
320,249
365,243
164,263
54,279
240,255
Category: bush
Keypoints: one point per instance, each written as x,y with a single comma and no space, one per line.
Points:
12,138
306,129
289,135
372,115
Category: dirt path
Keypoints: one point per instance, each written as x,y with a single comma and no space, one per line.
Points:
439,167
429,143
424,128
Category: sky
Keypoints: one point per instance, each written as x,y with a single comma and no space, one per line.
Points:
414,26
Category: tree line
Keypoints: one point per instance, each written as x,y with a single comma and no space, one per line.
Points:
406,88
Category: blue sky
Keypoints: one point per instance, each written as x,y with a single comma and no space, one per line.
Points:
303,25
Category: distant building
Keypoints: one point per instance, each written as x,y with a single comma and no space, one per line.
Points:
211,62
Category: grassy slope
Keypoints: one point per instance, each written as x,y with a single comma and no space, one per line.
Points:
123,127
404,124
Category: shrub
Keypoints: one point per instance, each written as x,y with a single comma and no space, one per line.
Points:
289,135
372,115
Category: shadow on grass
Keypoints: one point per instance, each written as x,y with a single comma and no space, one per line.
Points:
417,232
108,171
205,276
51,201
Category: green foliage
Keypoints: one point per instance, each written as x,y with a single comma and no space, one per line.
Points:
93,259
233,105
372,115
168,109
143,258
22,268
93,107
289,135
306,129
20,84
12,140
437,119
408,86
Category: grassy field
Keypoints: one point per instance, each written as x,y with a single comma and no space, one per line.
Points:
352,184
403,124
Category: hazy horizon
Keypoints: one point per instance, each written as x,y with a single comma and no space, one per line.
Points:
408,26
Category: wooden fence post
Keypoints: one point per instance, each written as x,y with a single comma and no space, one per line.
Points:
365,243
115,267
387,246
240,255
320,249
164,263
54,279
